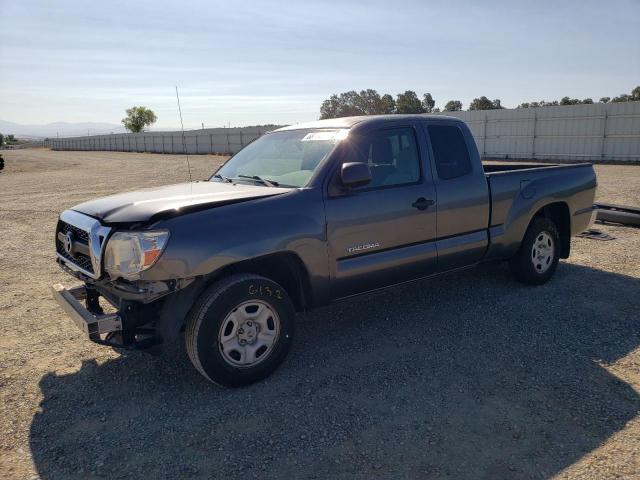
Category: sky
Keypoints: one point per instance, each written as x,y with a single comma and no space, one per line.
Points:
268,62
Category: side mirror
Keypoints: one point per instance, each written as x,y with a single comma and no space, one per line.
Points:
355,174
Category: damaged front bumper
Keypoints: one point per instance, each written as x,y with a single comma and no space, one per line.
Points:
119,329
93,325
139,309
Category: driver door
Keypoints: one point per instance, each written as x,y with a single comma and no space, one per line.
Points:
384,232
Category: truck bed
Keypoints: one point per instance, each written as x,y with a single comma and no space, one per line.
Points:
517,188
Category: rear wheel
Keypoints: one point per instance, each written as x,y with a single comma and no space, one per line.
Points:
240,330
538,256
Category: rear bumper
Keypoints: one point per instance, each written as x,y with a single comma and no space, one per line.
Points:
92,325
583,220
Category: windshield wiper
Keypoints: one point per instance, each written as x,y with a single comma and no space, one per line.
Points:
223,178
264,181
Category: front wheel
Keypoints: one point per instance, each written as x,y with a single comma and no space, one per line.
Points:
538,256
240,330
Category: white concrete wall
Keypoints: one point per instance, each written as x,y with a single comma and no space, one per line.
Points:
212,140
599,132
573,132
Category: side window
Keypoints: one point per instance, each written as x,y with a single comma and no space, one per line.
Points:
450,151
392,156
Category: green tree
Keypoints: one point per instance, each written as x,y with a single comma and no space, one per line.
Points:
571,101
330,107
605,99
483,103
1,140
408,102
345,104
138,118
634,97
10,139
453,106
621,98
388,104
350,102
587,101
370,102
428,103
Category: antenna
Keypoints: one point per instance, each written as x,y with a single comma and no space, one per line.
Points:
184,142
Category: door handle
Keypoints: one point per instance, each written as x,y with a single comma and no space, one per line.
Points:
422,203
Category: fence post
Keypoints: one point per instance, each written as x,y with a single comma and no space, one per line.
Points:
533,141
228,144
604,134
484,136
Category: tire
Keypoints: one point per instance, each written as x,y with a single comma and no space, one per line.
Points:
538,255
240,330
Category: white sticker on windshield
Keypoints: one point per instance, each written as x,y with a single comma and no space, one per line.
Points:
325,136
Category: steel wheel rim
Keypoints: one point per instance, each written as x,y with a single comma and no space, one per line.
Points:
542,252
248,334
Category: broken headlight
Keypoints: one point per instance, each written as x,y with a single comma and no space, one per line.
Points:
129,253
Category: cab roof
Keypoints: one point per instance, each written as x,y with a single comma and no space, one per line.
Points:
348,122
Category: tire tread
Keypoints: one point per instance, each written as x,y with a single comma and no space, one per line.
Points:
198,312
520,263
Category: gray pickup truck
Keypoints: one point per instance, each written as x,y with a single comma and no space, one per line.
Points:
302,217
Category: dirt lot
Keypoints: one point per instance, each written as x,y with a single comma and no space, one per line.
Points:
467,376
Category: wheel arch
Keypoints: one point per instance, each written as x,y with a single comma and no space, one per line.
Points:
559,214
284,268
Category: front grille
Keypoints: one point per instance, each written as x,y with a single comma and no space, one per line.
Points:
78,232
79,259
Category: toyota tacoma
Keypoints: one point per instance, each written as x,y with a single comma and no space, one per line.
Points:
302,217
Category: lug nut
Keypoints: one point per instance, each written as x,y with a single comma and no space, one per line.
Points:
241,330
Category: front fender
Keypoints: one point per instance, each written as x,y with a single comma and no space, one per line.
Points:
202,243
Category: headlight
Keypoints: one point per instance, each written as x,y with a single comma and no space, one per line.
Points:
129,253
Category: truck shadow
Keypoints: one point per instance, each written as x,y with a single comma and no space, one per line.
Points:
467,376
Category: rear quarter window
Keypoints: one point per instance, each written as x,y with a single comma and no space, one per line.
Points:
450,151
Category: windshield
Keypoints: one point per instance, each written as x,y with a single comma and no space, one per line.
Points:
286,159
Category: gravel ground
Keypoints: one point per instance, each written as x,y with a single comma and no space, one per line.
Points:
466,376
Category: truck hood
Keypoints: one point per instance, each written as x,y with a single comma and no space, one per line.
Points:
155,203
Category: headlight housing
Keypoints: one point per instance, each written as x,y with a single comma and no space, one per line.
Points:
129,253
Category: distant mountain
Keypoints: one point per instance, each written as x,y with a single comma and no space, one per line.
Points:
62,129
